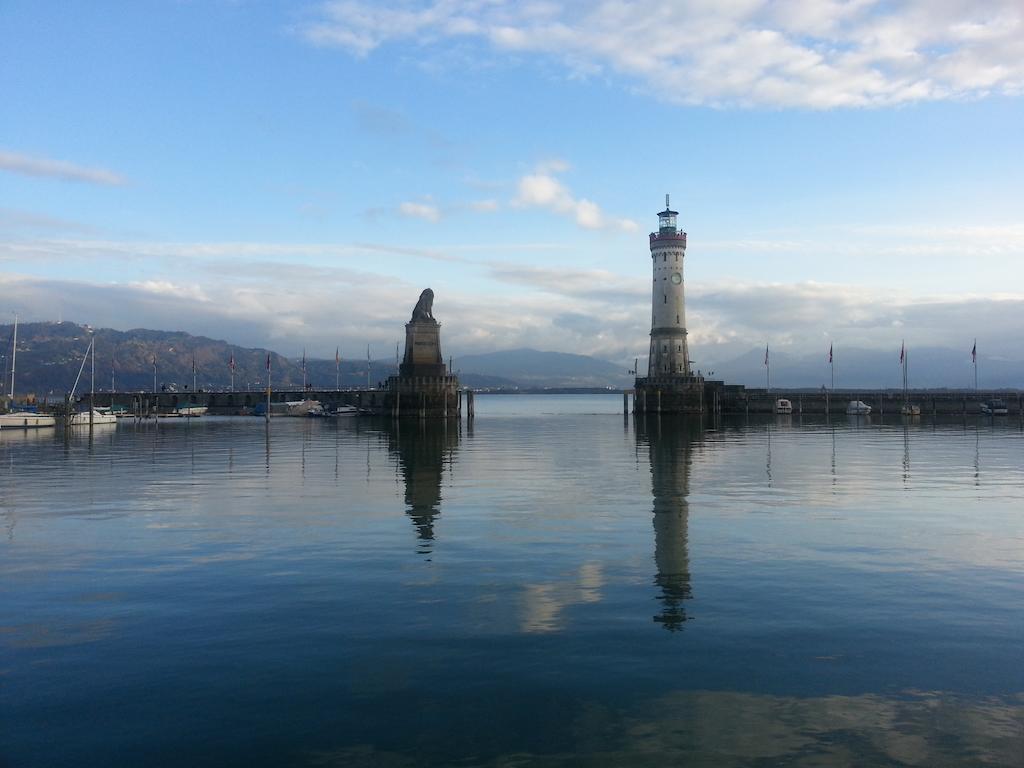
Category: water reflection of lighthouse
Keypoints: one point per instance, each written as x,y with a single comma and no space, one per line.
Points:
670,442
423,449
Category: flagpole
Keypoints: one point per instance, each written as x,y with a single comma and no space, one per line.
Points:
337,369
267,414
832,367
974,359
367,366
193,372
767,370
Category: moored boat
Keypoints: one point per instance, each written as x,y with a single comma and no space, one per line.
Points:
857,408
782,405
304,408
909,408
994,407
26,419
99,416
190,410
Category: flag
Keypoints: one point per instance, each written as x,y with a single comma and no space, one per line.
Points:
303,359
268,362
231,362
766,354
830,353
337,355
974,352
193,363
902,351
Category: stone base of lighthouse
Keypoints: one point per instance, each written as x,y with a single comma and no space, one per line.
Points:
423,388
669,394
423,397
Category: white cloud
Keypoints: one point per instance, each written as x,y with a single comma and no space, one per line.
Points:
824,54
425,211
318,295
541,189
58,169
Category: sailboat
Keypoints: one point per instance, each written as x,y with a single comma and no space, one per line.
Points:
26,417
908,409
97,415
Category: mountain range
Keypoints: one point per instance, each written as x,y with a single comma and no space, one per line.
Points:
50,356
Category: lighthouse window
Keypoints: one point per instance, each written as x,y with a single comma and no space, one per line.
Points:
665,297
677,257
664,257
677,319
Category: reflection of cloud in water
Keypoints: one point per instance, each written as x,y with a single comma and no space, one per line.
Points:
737,728
58,634
543,605
743,729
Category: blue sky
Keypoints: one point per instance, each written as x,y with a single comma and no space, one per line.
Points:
293,174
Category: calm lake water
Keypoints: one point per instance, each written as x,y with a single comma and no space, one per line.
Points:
554,585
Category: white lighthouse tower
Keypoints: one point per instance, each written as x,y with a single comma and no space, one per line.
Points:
670,386
668,356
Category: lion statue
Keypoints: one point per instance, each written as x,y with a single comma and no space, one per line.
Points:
424,307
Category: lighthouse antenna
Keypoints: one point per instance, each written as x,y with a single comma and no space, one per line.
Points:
666,201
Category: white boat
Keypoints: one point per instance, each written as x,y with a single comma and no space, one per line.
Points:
994,407
28,418
99,416
346,410
909,408
190,410
857,408
304,408
782,405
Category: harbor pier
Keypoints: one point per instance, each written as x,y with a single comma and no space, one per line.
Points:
737,400
234,403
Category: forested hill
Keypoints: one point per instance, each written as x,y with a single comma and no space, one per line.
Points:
50,355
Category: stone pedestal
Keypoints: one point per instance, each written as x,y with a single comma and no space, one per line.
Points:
423,387
422,350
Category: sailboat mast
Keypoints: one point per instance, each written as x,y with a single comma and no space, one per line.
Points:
906,362
14,355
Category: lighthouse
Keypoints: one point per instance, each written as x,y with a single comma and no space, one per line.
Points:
668,355
670,386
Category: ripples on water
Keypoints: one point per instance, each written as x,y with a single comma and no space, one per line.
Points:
554,585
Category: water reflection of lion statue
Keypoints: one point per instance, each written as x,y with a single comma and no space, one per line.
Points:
424,307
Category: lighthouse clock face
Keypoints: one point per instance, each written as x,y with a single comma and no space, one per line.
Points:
677,278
